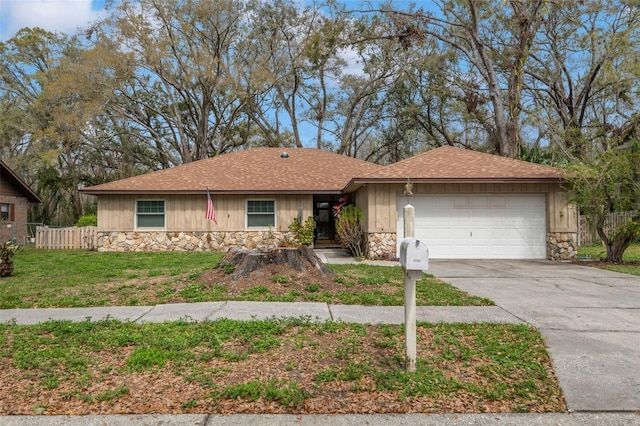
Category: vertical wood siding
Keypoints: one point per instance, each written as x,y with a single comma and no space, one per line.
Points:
186,212
380,201
8,190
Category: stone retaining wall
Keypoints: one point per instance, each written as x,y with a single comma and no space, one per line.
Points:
562,245
188,241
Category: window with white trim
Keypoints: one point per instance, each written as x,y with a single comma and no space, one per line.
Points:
150,214
261,213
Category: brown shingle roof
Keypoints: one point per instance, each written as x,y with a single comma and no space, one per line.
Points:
257,170
455,164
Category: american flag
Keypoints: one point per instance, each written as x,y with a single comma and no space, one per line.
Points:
211,213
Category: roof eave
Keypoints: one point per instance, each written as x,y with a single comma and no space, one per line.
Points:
357,183
211,191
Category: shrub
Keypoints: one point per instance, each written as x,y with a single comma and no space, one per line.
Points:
87,220
7,251
350,229
303,233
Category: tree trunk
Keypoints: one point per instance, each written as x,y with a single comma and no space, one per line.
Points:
617,240
617,246
244,262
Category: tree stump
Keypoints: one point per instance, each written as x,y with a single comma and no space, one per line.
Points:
244,262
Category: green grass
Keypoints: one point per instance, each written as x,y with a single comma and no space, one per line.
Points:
598,251
429,290
287,393
74,278
486,365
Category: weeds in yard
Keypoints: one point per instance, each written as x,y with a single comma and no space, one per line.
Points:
280,279
287,393
287,362
112,394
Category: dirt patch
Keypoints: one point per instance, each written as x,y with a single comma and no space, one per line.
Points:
278,279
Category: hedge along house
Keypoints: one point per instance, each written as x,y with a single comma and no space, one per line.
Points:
469,204
15,197
256,194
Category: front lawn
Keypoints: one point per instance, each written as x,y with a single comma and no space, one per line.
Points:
278,365
271,366
74,278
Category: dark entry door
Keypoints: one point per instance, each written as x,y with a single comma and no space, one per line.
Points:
325,223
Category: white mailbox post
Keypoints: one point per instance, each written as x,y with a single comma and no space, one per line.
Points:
414,258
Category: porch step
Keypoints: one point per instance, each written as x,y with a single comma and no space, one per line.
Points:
328,246
333,255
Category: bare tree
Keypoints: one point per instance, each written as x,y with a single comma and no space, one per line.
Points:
184,96
584,72
492,40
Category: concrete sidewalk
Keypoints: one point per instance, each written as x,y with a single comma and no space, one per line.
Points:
260,310
546,419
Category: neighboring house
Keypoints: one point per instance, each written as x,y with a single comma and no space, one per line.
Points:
15,196
468,204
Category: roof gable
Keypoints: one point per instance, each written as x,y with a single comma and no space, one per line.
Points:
455,164
256,170
9,176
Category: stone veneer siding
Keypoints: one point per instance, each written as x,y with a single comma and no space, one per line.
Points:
562,245
381,246
188,241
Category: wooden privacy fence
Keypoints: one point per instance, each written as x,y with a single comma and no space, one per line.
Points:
85,237
587,233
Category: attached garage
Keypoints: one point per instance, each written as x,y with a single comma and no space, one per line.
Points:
487,226
468,205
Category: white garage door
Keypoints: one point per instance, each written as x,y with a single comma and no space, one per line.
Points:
493,226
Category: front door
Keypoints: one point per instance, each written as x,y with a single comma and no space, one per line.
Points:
325,222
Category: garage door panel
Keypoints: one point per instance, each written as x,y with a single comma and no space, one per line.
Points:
480,226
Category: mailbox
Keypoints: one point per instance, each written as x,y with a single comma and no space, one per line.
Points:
414,255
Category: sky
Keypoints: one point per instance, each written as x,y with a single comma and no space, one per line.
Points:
67,15
52,15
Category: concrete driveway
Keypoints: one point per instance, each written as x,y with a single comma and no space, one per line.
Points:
589,318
